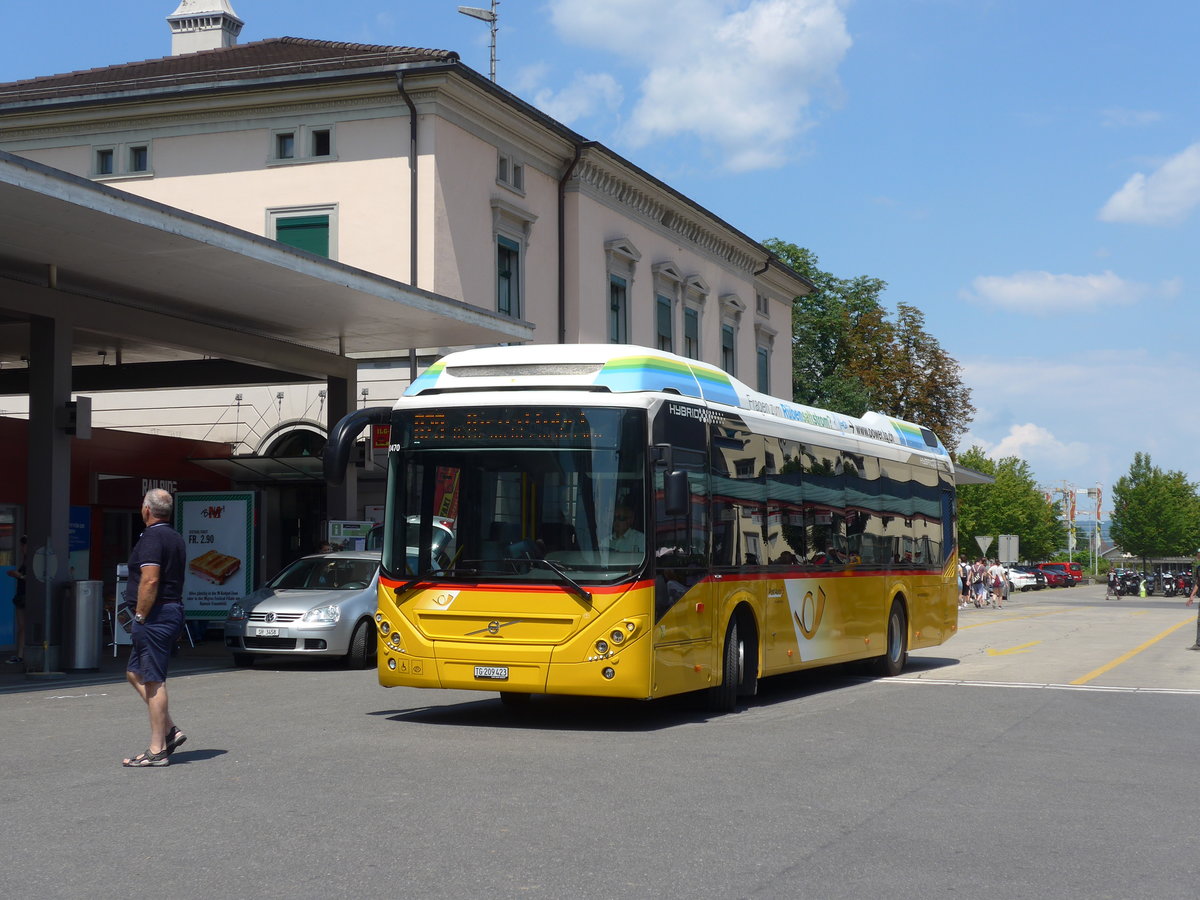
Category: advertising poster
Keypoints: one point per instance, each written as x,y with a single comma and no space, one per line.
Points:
218,531
349,534
122,611
446,501
79,541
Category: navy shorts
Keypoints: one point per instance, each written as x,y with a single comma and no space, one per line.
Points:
154,640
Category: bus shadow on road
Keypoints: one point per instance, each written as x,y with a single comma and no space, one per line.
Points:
556,713
918,664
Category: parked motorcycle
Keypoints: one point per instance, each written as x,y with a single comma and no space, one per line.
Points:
1129,584
1167,582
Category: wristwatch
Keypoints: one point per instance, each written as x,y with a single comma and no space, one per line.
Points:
139,618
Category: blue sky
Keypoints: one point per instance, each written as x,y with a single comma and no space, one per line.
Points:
1026,172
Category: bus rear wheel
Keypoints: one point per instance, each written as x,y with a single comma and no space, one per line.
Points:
892,662
722,698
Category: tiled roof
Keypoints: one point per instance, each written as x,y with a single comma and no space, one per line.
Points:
261,59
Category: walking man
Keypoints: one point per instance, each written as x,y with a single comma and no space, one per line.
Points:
155,590
1192,597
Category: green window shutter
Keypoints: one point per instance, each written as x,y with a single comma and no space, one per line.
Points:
508,277
309,233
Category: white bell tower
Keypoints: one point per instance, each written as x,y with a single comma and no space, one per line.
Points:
203,25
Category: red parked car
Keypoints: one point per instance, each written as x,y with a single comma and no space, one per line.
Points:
1060,575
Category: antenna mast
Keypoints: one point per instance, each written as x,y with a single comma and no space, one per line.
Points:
490,16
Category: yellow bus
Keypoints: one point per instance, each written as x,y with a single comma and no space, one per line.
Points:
610,520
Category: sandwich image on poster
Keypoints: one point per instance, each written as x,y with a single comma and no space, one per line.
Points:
214,567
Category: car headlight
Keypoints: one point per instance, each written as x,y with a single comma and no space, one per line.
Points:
323,615
237,613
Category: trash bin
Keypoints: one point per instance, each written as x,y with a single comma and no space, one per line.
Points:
82,634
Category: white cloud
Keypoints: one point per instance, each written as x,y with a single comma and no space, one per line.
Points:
1129,118
739,74
1067,416
1027,439
1045,293
529,79
1166,196
584,96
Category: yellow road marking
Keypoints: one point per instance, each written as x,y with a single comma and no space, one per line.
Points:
1022,648
1125,657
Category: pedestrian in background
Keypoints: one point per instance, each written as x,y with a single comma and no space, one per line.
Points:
996,577
1192,596
979,582
19,607
157,565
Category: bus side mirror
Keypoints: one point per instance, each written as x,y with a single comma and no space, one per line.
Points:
676,496
343,436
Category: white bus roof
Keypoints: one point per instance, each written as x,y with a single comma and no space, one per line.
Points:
625,368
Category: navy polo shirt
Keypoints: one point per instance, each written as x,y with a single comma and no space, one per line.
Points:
159,545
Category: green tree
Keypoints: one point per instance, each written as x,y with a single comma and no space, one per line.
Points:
1155,513
848,356
1012,505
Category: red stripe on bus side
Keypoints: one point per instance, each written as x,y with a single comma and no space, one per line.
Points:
506,588
800,576
714,578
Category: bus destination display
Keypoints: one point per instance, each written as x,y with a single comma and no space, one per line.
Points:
527,426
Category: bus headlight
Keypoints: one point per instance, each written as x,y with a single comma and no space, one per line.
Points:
601,646
618,636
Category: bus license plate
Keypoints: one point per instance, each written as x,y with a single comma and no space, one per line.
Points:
494,673
266,632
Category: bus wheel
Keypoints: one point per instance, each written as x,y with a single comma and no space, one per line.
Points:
722,698
515,699
892,662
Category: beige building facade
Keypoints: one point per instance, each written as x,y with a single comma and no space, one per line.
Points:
406,163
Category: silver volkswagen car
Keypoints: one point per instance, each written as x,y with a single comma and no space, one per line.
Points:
322,605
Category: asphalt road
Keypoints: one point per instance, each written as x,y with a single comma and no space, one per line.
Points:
1046,751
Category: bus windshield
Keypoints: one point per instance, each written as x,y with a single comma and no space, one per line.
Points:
529,493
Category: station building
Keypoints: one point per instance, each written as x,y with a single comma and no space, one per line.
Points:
399,164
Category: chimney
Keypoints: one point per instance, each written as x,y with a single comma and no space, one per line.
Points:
203,25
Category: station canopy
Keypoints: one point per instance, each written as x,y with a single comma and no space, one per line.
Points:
181,300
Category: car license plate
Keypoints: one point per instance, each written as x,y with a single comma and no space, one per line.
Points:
493,673
266,632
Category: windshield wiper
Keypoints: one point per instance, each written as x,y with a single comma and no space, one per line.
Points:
568,582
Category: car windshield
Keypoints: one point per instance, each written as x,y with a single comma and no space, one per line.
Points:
325,573
517,492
